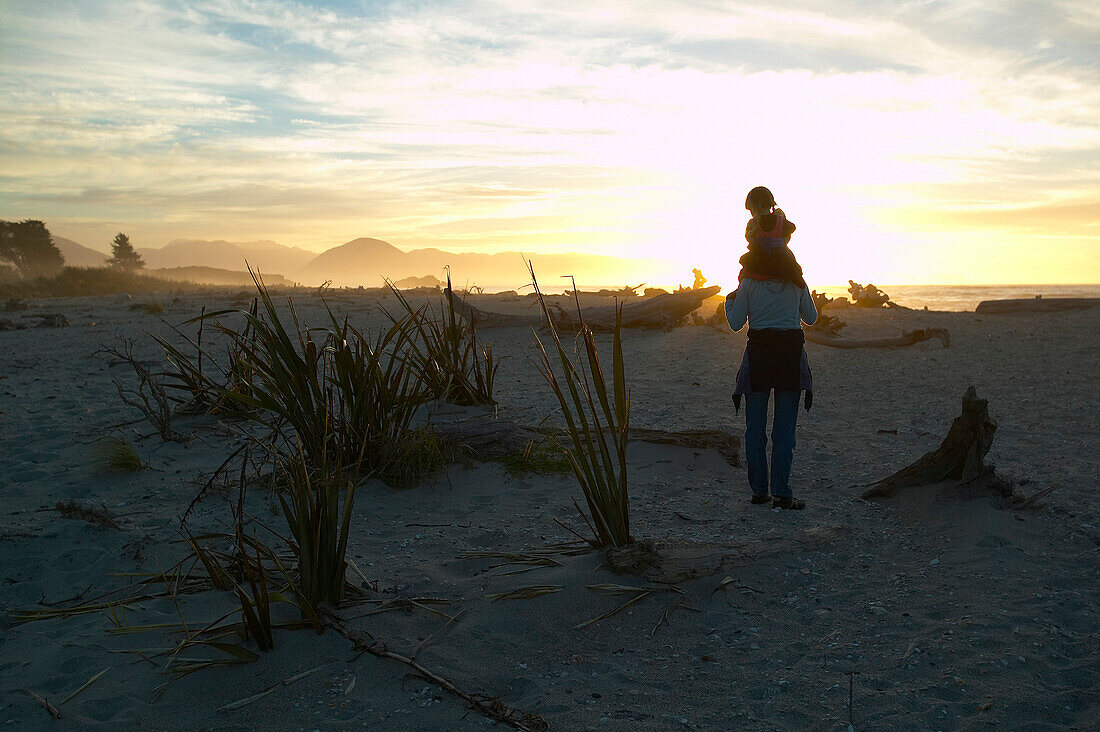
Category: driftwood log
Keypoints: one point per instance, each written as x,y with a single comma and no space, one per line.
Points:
1036,305
959,458
674,560
907,338
491,439
662,311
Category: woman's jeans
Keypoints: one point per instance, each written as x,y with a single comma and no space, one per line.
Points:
756,441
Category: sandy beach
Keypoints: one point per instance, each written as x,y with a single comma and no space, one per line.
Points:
918,613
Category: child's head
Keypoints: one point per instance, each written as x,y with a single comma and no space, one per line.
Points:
760,200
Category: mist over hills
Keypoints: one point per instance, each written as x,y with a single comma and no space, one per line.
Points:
78,255
267,256
367,261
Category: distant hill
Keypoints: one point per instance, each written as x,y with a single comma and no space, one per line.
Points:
367,261
78,255
212,276
267,256
362,261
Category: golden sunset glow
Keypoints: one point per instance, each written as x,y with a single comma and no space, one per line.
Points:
904,153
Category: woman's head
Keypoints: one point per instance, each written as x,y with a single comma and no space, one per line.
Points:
760,199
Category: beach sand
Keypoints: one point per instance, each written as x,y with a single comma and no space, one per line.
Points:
941,614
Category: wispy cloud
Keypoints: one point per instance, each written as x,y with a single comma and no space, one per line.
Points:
508,124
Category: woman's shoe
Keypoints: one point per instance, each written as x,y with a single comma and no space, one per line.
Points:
794,504
757,500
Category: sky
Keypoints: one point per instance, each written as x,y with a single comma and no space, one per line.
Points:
911,142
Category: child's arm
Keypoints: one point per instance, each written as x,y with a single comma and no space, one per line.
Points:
788,226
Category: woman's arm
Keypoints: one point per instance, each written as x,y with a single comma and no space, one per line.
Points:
737,306
806,308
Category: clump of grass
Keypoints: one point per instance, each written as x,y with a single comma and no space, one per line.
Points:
114,455
72,510
153,307
419,453
597,418
454,366
536,460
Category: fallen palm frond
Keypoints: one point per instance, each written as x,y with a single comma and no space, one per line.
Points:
597,417
447,352
115,456
525,593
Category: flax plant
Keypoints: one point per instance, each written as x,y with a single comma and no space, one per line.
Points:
343,394
317,505
447,353
597,418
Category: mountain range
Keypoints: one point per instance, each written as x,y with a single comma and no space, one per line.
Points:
366,261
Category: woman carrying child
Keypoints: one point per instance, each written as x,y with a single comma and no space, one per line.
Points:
773,298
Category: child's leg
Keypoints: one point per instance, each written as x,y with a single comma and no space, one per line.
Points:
756,440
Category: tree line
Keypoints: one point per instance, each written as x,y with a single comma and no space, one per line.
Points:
28,247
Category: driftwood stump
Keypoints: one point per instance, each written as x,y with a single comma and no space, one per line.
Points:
960,457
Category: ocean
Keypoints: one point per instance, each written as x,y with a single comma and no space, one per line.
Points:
961,298
957,298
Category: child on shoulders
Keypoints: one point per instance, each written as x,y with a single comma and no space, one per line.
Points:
768,233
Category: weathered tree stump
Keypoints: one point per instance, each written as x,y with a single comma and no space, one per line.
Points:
960,457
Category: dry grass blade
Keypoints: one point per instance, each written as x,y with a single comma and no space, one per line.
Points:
525,593
620,608
256,697
427,641
85,685
614,589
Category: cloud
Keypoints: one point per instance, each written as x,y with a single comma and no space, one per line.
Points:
440,121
